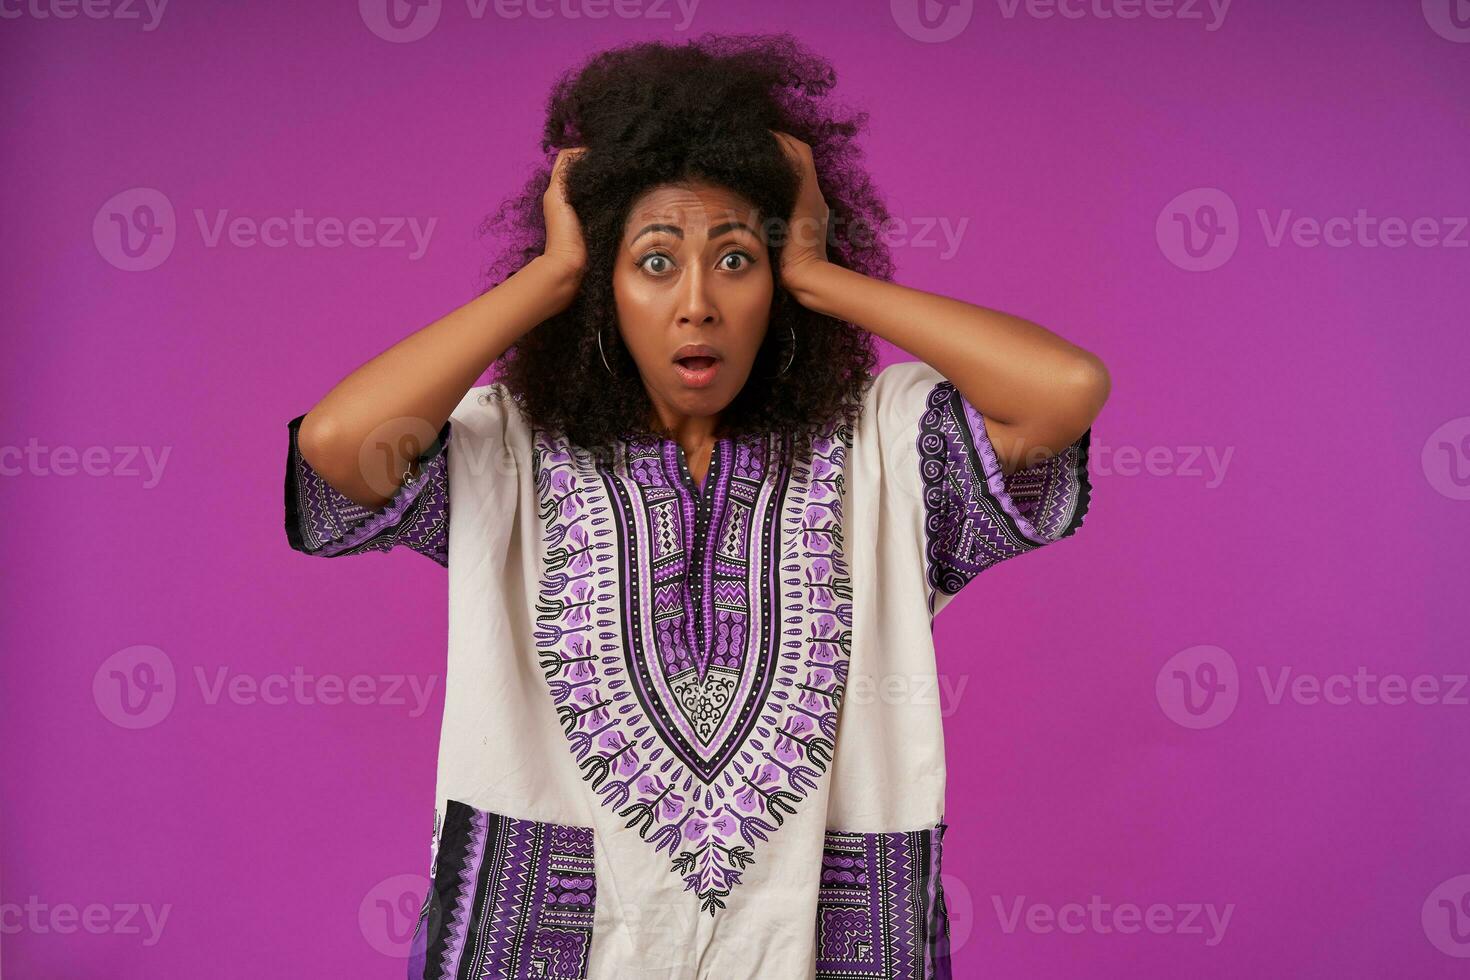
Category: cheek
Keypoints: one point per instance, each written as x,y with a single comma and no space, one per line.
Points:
752,310
625,300
637,312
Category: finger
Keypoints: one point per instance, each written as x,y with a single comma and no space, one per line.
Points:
566,155
564,158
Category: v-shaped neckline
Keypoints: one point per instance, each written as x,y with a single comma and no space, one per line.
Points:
700,515
723,442
702,506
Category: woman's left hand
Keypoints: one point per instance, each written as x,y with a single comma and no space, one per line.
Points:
805,242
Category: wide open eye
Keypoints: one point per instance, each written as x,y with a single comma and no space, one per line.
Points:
647,263
746,259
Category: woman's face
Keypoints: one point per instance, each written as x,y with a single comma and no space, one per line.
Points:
693,287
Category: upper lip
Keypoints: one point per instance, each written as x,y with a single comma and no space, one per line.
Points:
696,350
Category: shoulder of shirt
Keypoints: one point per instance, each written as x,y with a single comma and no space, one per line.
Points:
897,394
901,374
488,407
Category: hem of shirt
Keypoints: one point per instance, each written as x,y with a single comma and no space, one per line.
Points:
1054,467
397,504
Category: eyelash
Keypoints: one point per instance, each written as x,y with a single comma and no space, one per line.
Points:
749,259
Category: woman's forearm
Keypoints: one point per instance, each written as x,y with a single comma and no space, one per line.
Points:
409,390
1037,391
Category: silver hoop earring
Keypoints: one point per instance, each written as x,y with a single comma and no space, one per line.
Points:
792,356
600,353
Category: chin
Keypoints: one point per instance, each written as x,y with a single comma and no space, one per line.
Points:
702,402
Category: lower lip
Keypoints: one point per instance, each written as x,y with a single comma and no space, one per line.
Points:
697,377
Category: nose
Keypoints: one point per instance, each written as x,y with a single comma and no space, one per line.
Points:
696,306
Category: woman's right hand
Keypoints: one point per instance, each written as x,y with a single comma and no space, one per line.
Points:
564,242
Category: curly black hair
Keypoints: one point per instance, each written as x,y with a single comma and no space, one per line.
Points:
652,113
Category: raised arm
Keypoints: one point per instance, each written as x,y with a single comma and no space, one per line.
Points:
412,387
1037,391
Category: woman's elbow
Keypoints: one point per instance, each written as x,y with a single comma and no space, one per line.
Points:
314,438
1090,385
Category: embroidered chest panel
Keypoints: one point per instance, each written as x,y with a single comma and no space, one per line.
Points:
696,640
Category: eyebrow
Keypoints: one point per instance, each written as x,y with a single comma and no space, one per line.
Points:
678,232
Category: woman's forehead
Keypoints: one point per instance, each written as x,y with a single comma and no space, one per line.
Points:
692,205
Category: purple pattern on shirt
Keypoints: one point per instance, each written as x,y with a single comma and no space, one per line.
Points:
320,520
975,515
510,898
880,910
696,641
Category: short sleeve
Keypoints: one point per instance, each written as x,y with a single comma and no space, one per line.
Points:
322,521
974,515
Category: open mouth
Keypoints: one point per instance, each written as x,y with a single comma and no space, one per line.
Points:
697,370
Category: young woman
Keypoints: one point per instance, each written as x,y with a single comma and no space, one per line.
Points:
696,545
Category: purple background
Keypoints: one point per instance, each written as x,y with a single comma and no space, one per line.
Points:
1333,542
